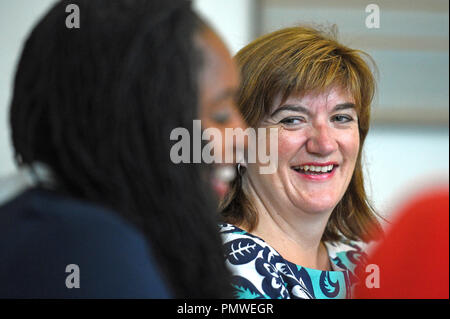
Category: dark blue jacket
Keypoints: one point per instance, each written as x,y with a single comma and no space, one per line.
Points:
49,243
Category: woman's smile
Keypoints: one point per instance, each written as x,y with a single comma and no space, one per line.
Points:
316,171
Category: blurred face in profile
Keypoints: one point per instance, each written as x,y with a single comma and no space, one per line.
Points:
218,87
318,145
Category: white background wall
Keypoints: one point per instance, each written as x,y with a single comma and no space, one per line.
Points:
231,18
16,20
399,161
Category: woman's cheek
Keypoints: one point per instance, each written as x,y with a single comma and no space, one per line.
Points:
350,143
289,142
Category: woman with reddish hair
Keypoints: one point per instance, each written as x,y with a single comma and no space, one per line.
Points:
293,233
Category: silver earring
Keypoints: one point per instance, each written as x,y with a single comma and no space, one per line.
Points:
239,168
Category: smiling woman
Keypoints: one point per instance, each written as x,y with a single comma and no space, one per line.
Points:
283,230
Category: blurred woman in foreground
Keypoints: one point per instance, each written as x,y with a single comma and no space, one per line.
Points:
98,194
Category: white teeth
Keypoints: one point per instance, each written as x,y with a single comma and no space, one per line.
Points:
318,169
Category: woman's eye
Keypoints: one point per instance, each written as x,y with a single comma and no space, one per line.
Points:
292,120
342,118
221,117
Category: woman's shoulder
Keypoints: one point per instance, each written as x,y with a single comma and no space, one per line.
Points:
345,245
46,232
230,232
241,245
347,254
255,266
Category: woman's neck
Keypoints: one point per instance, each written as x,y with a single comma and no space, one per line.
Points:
296,235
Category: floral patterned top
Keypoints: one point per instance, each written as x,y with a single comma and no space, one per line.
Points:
260,272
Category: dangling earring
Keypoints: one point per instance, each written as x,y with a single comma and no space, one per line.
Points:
239,169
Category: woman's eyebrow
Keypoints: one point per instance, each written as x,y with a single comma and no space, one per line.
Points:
344,106
291,107
302,109
226,94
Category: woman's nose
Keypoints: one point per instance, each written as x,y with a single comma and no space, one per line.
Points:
238,144
321,142
237,121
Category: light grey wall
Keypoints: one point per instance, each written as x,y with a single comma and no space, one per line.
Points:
16,20
231,18
400,162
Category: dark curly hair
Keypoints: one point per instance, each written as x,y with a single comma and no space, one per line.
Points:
97,104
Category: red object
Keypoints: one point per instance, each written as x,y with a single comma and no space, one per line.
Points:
413,259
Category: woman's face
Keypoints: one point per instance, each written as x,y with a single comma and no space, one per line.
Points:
218,86
318,144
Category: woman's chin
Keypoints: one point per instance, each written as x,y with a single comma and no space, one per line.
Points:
221,178
220,187
322,209
316,205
